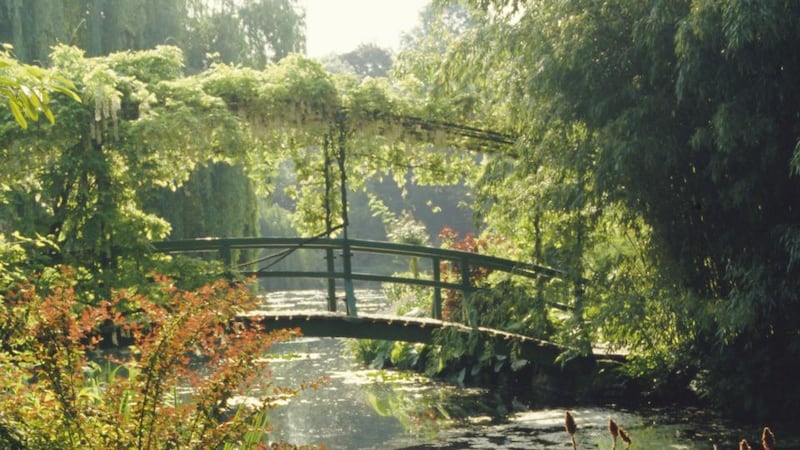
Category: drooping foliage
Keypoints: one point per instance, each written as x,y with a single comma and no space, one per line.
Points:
658,158
251,32
86,170
217,200
655,151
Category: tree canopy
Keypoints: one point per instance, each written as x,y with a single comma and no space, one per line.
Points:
251,32
144,125
659,142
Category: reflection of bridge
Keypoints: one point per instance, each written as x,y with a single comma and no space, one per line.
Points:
351,323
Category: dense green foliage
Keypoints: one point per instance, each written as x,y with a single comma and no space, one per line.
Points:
87,170
252,33
90,182
658,156
369,61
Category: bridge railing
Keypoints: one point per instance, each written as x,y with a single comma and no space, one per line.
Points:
466,262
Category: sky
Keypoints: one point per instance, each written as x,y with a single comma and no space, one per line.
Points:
339,26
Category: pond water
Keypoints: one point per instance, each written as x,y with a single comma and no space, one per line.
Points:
362,408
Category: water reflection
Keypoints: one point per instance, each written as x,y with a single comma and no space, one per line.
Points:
361,408
651,429
337,414
369,409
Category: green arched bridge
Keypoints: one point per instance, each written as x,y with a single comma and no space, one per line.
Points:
349,323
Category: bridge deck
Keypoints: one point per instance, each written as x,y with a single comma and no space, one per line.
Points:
398,328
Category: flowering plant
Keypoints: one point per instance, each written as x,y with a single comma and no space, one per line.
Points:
179,385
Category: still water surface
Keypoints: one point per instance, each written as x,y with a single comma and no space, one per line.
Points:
362,408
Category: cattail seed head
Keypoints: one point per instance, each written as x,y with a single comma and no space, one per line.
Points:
624,436
613,429
744,445
569,424
768,439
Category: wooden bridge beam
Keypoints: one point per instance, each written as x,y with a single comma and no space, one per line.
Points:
331,279
408,329
360,327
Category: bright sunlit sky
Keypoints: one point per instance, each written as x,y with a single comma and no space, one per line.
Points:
338,26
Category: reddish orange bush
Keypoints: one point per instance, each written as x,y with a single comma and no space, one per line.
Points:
174,387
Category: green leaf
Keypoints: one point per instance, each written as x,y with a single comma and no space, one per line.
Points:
17,112
49,114
518,364
498,365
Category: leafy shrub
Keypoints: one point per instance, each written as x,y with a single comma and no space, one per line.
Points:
405,298
454,308
498,302
177,387
375,352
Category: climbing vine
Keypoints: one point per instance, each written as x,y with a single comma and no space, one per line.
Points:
144,126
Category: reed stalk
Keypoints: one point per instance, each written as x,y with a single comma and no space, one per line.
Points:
625,438
613,429
768,439
571,427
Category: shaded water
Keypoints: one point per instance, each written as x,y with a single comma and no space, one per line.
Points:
361,408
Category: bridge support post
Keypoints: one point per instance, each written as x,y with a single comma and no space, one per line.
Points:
436,308
466,290
227,256
349,292
331,281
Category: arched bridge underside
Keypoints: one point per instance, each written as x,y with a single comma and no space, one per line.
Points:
394,328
